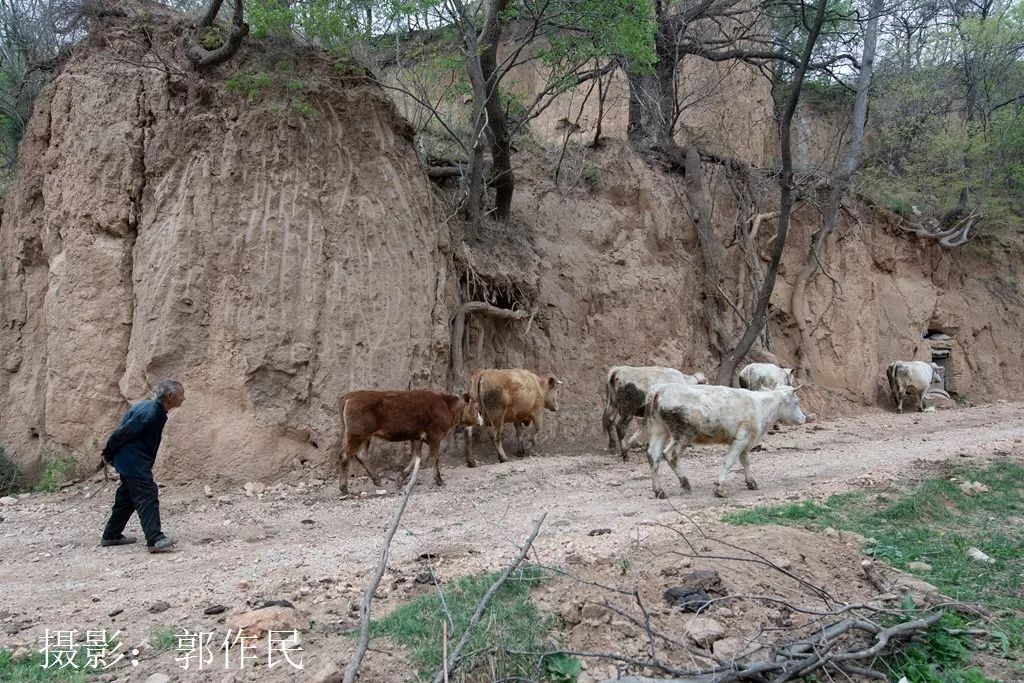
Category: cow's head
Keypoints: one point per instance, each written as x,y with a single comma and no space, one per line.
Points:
550,383
469,412
700,377
789,410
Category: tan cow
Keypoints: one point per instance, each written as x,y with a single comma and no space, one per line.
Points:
516,396
414,416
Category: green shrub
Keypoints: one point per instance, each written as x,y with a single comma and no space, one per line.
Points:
58,469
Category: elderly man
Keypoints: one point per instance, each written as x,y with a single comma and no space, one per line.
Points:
132,450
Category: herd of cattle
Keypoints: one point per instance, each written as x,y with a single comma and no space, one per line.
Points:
677,410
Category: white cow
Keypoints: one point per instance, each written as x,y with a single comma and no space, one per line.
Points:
678,416
760,376
625,393
914,377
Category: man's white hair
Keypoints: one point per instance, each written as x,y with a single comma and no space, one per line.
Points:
167,388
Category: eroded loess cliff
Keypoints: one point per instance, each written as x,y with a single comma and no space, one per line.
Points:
270,255
274,242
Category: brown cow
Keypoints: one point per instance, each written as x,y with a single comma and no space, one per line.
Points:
516,396
414,416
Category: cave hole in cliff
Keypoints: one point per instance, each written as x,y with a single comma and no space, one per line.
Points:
941,352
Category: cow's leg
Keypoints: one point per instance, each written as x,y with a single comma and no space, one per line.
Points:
899,401
538,423
620,431
674,451
654,453
496,427
415,446
739,445
470,462
361,461
920,401
747,477
350,448
519,437
435,455
608,424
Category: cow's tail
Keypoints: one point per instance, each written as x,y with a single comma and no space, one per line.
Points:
609,402
343,432
480,398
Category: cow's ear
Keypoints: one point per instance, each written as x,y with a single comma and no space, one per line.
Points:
466,397
552,381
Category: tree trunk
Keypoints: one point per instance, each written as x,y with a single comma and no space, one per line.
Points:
757,321
504,180
202,57
840,182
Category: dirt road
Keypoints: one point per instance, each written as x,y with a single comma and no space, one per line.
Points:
300,541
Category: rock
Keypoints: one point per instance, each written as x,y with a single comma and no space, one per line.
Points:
594,612
328,673
976,554
214,609
8,500
225,500
726,649
115,612
571,614
158,678
972,487
919,566
687,599
598,532
425,577
276,618
244,585
208,491
707,580
276,603
704,631
307,522
254,488
159,606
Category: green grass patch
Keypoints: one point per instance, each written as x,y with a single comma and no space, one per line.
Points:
937,523
512,622
164,638
58,469
31,669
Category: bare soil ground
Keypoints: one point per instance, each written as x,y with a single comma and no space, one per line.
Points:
301,542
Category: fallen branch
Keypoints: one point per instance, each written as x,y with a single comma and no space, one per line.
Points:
352,670
452,661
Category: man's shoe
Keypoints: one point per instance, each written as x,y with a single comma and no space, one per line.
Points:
123,540
163,545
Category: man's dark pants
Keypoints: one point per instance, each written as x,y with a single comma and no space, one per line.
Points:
135,495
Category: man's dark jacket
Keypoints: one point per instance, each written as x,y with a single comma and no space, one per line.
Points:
133,445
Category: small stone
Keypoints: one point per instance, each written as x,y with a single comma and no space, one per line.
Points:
593,612
208,491
687,599
276,618
598,532
831,533
571,614
783,563
244,585
115,612
328,673
8,500
95,598
726,649
702,579
225,500
979,556
919,566
425,577
704,631
214,609
159,606
307,522
158,678
20,653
